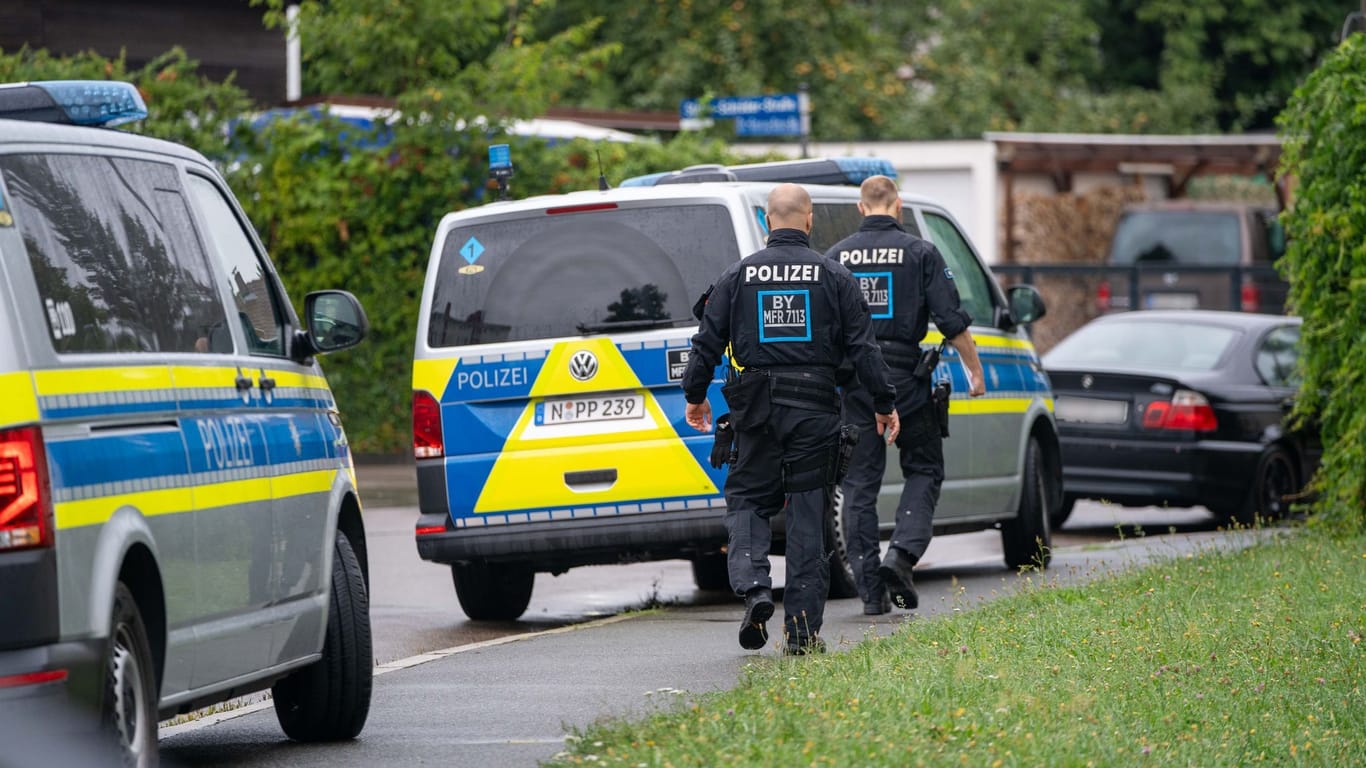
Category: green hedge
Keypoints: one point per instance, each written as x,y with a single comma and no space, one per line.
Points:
1324,130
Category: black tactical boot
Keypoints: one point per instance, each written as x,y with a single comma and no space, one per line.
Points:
896,574
877,603
811,646
758,610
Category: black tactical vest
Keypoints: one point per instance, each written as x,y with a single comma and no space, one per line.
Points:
785,313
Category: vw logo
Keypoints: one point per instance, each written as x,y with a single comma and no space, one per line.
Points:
583,365
1087,381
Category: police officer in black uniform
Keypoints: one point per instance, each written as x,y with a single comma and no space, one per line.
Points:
905,281
789,317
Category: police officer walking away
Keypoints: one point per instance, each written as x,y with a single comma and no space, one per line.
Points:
905,281
789,317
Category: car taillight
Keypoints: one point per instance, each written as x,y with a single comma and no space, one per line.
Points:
1186,410
25,499
1250,296
427,443
1103,296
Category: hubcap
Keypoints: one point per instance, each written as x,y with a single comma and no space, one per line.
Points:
129,701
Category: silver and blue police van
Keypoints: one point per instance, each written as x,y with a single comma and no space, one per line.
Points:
179,521
547,413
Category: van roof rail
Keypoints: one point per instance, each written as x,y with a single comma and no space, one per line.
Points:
846,171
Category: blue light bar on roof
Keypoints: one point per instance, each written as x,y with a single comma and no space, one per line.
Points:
838,171
860,168
75,102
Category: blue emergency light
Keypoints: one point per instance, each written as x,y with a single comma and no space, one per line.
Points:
500,157
840,171
104,103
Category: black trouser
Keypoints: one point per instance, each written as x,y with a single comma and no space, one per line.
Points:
754,493
922,467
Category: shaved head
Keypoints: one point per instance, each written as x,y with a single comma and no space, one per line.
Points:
878,195
789,207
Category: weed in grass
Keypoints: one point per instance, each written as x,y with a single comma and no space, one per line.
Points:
1223,658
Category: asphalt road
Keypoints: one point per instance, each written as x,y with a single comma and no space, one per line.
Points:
454,692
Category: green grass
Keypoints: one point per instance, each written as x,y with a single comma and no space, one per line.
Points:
1215,659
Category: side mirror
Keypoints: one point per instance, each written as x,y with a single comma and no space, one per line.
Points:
1026,305
335,321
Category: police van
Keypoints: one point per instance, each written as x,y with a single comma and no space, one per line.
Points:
179,521
548,424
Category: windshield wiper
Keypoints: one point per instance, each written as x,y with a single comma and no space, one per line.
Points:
632,325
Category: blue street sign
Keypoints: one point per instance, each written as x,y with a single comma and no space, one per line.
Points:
777,114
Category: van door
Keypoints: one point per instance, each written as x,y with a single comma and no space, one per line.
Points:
982,453
287,405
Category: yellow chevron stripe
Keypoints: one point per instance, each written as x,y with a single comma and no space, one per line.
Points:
18,405
212,376
84,381
302,483
995,405
171,501
433,375
74,514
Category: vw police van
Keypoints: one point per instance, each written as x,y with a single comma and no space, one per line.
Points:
547,413
179,522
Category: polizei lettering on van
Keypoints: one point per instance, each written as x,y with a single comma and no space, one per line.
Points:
782,273
862,256
492,378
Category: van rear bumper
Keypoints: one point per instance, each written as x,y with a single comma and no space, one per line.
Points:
562,544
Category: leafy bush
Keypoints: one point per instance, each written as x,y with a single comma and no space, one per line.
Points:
336,211
1324,128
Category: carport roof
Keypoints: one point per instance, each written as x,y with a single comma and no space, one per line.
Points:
1068,153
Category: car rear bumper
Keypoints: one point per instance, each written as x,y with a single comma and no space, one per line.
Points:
49,705
561,544
1136,472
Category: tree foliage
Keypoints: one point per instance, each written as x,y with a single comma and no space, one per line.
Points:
1324,129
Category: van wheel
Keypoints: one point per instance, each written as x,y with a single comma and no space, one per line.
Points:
1027,539
493,591
329,699
709,572
129,704
842,581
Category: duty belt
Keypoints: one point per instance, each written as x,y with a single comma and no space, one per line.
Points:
899,354
805,385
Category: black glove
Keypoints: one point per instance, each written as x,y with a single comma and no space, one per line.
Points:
722,452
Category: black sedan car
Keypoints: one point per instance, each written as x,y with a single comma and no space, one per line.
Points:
1182,408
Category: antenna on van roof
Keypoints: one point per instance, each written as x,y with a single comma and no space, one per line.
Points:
603,186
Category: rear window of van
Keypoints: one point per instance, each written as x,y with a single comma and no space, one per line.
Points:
587,270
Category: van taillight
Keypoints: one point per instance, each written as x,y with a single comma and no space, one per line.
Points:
1103,296
1186,410
1251,296
427,443
25,498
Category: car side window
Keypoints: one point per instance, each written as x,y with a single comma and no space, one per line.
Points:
974,291
1277,357
832,222
259,309
113,251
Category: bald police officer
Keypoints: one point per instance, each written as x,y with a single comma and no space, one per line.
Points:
789,317
905,282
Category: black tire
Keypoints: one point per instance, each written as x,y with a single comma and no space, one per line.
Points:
493,591
709,572
1064,511
842,582
1273,483
128,705
329,699
1027,540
